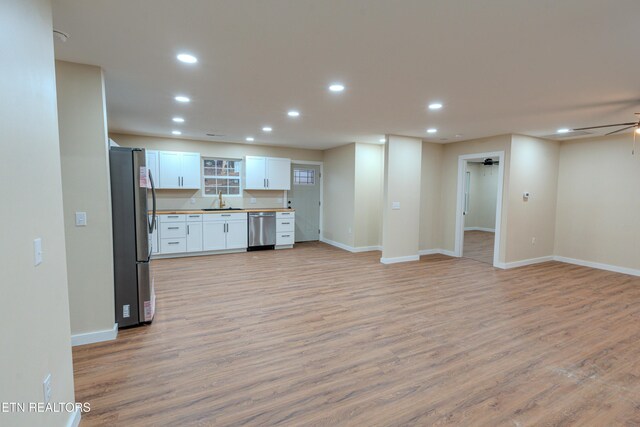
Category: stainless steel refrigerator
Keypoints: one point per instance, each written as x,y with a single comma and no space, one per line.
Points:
131,186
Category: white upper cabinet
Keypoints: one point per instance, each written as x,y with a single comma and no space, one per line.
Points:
179,170
267,173
278,174
152,165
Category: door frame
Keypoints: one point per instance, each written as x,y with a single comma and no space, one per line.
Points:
321,207
459,237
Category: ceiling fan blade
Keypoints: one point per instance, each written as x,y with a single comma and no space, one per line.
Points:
607,126
620,130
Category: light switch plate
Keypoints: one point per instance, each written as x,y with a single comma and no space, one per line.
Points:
81,219
37,251
395,205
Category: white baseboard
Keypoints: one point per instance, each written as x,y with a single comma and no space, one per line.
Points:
598,265
436,251
74,419
488,230
351,248
522,263
400,259
94,337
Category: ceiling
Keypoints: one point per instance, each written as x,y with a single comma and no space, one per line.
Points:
498,66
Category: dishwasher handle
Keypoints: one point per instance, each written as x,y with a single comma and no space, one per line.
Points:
262,214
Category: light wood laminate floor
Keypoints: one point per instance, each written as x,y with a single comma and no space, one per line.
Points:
478,245
320,336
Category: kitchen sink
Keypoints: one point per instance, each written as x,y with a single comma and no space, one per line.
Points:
223,209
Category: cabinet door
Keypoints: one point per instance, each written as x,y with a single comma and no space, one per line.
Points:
237,234
278,174
190,170
255,173
194,237
213,235
169,169
152,165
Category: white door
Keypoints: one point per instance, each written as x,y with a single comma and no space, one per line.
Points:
169,170
256,173
278,174
190,166
304,197
213,236
194,237
237,235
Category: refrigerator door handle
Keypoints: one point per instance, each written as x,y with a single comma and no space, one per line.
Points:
152,226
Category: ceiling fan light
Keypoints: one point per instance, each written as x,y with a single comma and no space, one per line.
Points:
638,131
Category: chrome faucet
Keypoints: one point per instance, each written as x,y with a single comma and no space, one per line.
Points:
221,203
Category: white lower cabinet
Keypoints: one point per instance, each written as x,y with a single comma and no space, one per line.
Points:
225,231
194,236
285,229
193,233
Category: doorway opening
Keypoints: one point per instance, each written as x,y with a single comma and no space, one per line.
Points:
305,197
480,182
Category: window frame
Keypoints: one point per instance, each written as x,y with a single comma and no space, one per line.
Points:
240,164
307,170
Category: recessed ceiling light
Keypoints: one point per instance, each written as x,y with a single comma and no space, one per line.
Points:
336,87
435,106
458,135
383,139
176,132
432,130
564,130
186,58
267,129
178,119
250,139
181,98
293,113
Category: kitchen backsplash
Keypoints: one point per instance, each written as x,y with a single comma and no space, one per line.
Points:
181,199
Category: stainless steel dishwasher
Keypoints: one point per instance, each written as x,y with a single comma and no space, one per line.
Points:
262,230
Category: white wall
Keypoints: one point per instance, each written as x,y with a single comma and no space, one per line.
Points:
368,181
339,195
34,307
483,195
431,196
402,179
86,188
598,213
180,199
533,168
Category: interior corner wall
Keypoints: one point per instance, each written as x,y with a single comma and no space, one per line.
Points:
598,201
339,195
483,195
534,164
34,306
430,196
402,180
368,195
451,152
86,188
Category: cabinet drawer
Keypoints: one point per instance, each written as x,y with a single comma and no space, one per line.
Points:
224,216
194,217
172,218
285,214
172,230
284,238
285,224
170,246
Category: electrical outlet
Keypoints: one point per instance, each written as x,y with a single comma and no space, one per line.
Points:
279,199
46,388
37,251
395,205
126,310
193,200
253,201
533,240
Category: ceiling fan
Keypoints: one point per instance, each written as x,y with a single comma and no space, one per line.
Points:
627,126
